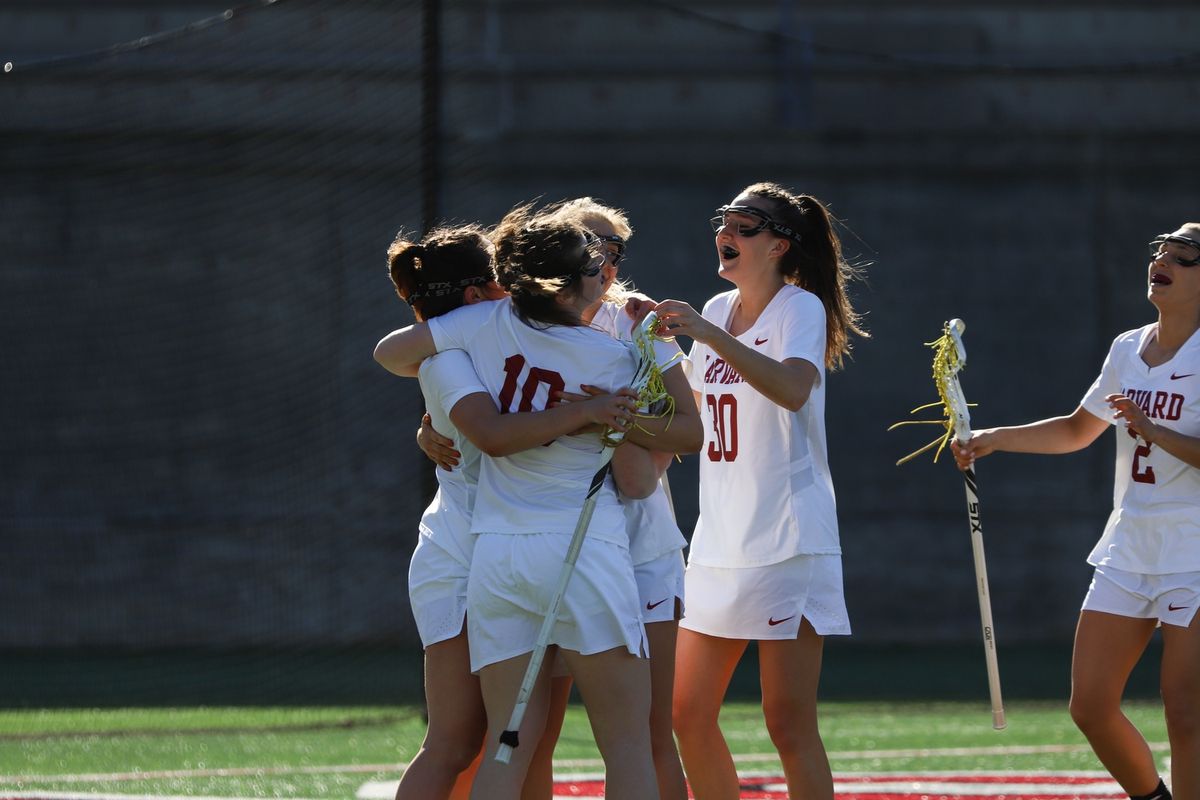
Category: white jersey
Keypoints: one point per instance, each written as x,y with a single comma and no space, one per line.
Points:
651,524
1154,527
445,379
765,490
541,489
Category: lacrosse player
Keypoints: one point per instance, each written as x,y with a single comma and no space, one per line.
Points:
449,268
525,349
656,543
1147,561
765,559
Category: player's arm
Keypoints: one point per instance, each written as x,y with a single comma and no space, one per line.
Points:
496,434
636,470
1053,436
786,383
1185,448
401,352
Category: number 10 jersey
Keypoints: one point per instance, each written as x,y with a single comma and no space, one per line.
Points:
539,490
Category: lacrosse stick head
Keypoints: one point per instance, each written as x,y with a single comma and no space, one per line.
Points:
949,361
647,379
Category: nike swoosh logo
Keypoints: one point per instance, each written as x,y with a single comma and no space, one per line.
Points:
760,341
1175,377
773,621
1173,607
652,606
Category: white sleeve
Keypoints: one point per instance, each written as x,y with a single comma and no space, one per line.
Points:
802,329
452,377
1106,383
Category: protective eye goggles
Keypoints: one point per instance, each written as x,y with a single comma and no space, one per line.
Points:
746,229
617,251
595,253
1159,252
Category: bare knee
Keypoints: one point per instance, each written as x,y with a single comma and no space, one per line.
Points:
1182,710
791,726
1089,714
690,718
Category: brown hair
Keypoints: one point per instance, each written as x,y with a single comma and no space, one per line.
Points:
815,263
432,274
537,257
587,211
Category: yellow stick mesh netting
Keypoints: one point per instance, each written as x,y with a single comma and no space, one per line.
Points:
946,366
648,382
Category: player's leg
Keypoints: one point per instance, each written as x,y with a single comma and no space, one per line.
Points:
703,667
539,781
615,687
1107,646
1181,698
456,722
790,670
466,778
500,683
662,637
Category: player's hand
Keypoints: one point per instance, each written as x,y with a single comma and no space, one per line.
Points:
680,319
1135,419
637,306
613,410
979,445
439,449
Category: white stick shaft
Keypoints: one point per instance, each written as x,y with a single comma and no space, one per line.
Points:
504,751
985,602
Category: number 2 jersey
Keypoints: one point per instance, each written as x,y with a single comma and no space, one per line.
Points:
1154,527
542,489
765,490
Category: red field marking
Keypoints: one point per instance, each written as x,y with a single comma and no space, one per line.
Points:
912,786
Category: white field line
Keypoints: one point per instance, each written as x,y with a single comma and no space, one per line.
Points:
579,763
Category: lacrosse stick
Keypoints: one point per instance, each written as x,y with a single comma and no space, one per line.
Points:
950,357
648,384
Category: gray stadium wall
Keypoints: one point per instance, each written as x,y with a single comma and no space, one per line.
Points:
198,448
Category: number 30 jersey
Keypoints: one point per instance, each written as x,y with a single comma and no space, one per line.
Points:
1154,527
539,490
765,490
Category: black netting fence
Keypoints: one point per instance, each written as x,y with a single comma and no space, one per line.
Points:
208,490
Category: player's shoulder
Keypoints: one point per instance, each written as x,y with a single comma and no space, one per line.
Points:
473,314
719,303
794,299
1133,339
608,319
444,364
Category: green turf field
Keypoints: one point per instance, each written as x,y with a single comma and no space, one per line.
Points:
329,752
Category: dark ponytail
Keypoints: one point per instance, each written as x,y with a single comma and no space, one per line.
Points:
815,263
431,275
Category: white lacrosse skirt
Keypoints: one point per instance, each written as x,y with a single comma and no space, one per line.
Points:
512,583
767,602
660,585
437,591
1171,598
